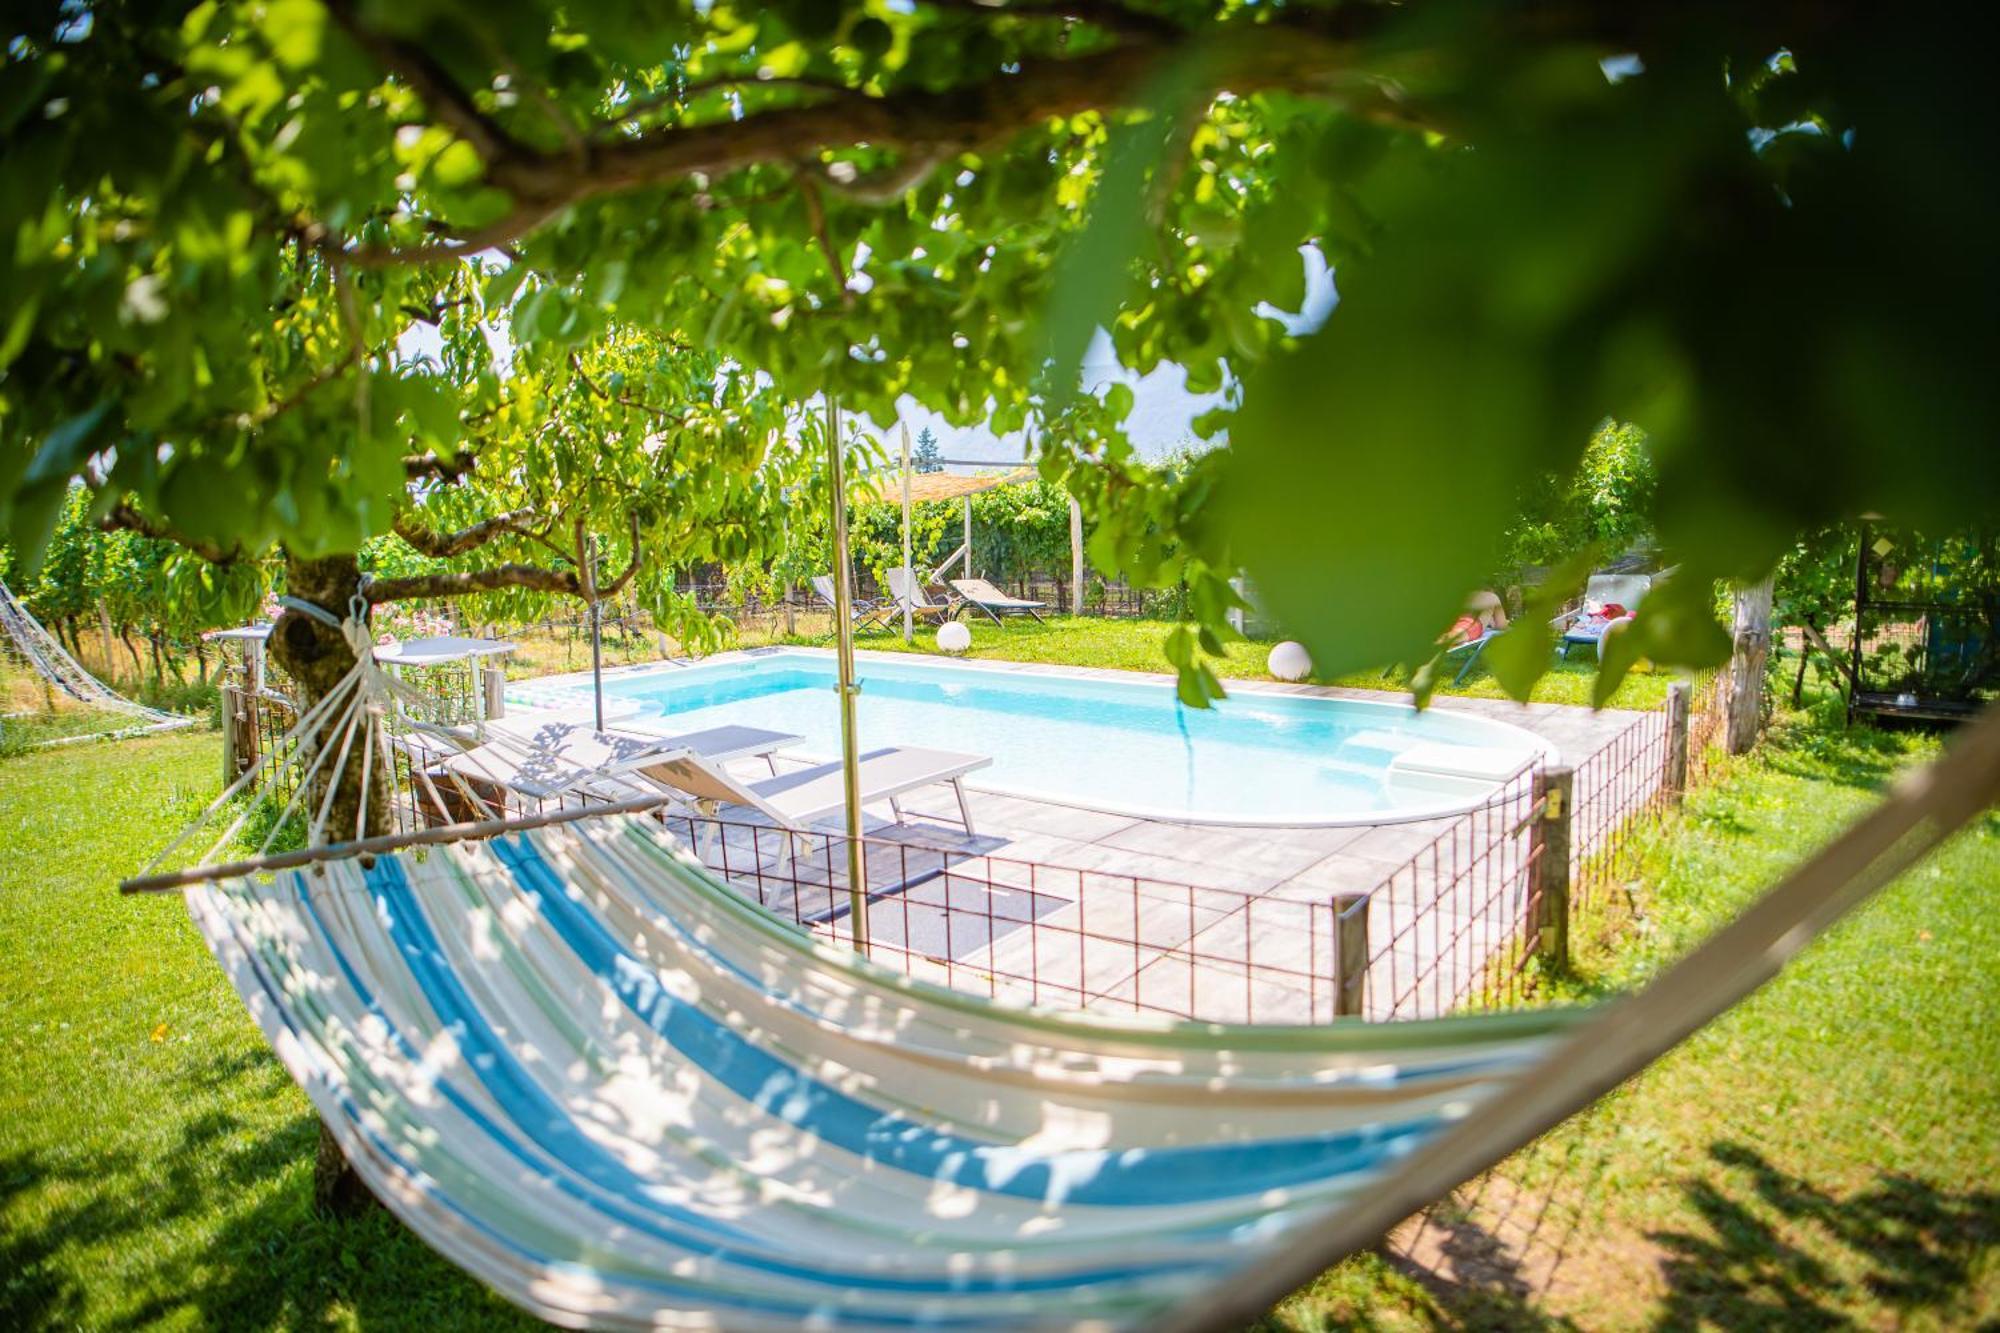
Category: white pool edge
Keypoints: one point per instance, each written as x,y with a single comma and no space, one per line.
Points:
1546,751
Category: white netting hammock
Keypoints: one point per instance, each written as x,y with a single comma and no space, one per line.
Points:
40,652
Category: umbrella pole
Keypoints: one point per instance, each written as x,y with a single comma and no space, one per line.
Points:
843,617
910,570
596,639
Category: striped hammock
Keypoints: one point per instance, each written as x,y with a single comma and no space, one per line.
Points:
588,1073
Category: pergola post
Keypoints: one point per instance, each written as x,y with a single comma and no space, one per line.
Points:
1075,557
969,572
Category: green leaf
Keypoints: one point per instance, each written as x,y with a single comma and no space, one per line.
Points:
1094,272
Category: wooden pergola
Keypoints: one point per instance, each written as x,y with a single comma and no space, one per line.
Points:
921,487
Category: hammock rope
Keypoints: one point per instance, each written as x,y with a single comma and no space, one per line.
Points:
45,655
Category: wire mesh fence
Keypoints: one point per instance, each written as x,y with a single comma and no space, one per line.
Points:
1454,927
1033,933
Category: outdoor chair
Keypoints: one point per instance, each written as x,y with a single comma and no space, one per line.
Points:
864,613
795,801
983,596
560,761
1586,626
906,590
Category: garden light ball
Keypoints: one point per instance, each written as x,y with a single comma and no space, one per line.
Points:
1289,661
953,637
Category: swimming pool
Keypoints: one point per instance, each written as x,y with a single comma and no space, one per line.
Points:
1120,745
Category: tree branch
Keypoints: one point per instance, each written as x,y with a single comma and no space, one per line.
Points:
420,586
816,218
445,545
124,518
617,585
1312,53
430,466
583,377
415,66
639,108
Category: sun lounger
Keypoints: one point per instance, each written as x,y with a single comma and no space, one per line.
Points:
904,588
1586,627
797,800
984,596
563,759
865,614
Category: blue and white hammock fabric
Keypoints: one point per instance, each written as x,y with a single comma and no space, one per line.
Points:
591,1075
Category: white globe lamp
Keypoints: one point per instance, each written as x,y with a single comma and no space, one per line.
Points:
1290,661
953,637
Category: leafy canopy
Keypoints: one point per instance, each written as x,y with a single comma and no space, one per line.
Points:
221,216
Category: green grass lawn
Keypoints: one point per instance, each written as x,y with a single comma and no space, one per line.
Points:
155,1160
1135,645
1824,1155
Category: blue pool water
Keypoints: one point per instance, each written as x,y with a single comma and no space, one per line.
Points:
1120,745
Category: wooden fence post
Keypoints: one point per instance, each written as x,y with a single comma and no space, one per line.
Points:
1679,710
241,745
230,772
495,680
1350,955
1555,785
1752,650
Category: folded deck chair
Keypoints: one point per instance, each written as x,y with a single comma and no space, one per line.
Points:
906,590
568,759
985,597
797,800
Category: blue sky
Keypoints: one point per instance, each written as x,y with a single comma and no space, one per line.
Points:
1163,411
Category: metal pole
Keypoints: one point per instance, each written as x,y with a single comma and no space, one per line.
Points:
843,616
596,638
968,539
1075,557
909,634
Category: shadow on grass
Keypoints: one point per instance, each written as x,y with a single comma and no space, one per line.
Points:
1917,1243
219,1225
1763,1249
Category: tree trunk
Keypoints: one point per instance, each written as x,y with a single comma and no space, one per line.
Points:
104,630
1746,665
317,657
138,667
200,660
159,670
1799,680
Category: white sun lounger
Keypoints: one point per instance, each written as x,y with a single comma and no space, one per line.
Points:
983,595
796,800
864,613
